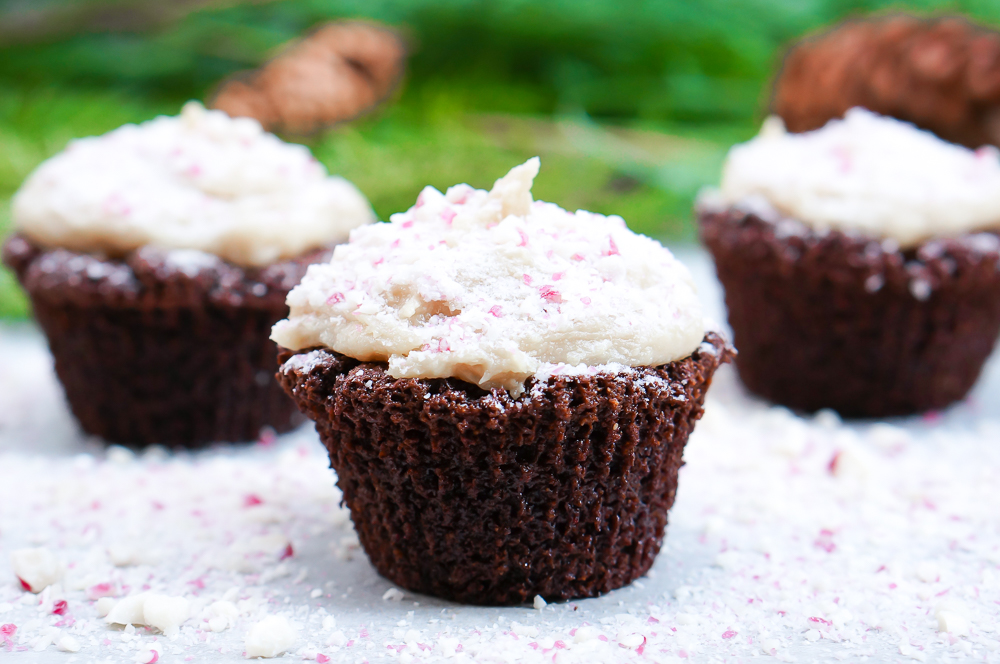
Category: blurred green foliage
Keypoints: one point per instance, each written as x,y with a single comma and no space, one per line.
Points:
631,104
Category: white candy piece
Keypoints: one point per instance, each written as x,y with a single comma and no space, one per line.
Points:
161,612
67,643
36,568
200,181
493,288
270,637
952,618
222,615
870,174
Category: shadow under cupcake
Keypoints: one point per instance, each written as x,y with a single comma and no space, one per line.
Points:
505,389
158,256
861,265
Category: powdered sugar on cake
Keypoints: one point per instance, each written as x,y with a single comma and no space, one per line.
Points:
494,287
870,174
199,181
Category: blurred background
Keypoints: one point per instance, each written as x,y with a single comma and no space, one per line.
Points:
631,105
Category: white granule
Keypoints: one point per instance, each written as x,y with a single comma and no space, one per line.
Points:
270,637
36,569
305,362
803,538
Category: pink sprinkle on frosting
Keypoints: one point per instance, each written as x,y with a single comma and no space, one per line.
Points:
612,248
550,294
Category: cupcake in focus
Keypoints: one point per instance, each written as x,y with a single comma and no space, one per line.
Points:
158,256
860,264
505,389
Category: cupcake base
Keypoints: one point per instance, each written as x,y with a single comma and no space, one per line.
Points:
849,322
162,347
477,497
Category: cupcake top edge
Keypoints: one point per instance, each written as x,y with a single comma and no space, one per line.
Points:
493,287
197,181
867,173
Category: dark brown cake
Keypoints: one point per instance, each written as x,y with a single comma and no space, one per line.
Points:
478,497
162,347
849,322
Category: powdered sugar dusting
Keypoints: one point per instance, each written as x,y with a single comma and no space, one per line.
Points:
493,287
199,181
870,174
305,362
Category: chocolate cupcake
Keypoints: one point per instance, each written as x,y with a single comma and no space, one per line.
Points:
505,389
860,265
158,256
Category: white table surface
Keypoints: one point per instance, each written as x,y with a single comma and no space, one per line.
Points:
771,550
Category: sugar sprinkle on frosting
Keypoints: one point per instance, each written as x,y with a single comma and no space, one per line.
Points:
493,287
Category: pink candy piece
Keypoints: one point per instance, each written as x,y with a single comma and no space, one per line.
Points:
59,608
101,590
321,658
550,294
7,634
612,249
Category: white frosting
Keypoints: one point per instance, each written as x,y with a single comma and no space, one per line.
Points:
871,174
493,287
201,181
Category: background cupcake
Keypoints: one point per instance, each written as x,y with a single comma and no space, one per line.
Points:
505,389
859,263
158,256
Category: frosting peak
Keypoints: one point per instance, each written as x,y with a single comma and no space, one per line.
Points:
493,288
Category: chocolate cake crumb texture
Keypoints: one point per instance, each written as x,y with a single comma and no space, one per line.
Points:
167,347
852,323
482,498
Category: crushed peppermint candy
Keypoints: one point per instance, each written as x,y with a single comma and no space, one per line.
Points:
793,539
493,288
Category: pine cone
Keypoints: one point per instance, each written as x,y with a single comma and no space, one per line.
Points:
339,72
941,74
